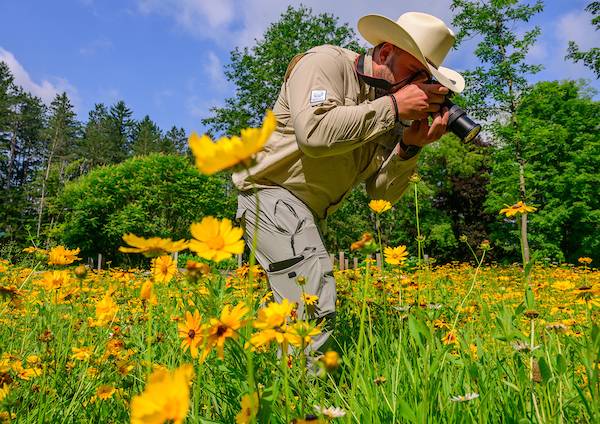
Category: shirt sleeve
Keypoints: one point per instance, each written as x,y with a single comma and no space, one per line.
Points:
391,180
323,124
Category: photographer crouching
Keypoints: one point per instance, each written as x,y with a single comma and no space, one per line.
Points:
345,118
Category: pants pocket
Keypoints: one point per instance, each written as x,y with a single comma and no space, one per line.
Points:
304,273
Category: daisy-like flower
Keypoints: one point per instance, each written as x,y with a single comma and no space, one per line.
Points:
216,240
517,208
105,391
147,292
464,398
380,206
450,338
223,328
365,244
395,255
163,269
59,255
330,412
52,280
330,360
300,334
271,322
4,390
214,156
585,260
106,309
154,246
191,332
310,299
166,397
81,353
249,409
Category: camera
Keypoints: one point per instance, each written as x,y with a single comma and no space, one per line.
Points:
459,122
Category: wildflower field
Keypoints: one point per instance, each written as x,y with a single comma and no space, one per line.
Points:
448,343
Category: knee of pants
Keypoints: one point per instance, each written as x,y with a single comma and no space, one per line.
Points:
316,278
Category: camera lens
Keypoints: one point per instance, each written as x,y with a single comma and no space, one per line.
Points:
460,123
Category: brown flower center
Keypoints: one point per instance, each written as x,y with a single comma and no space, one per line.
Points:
221,329
191,333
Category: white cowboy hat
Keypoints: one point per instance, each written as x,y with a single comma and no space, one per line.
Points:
425,37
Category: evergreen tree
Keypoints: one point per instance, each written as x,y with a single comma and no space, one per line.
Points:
175,141
62,133
147,138
121,127
96,147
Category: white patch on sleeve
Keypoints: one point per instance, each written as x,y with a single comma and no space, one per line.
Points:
317,96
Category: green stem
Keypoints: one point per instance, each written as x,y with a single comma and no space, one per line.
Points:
419,240
361,331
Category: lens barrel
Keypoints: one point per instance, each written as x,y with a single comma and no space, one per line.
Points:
460,123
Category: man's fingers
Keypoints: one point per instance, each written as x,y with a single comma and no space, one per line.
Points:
433,107
434,89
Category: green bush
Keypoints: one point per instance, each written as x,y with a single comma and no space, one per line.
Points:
156,195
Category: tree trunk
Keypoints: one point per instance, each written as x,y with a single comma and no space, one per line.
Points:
525,242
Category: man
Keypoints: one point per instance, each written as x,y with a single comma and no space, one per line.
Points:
342,118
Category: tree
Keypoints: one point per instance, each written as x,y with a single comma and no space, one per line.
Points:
591,58
563,158
154,195
62,132
175,140
257,72
147,138
495,88
120,125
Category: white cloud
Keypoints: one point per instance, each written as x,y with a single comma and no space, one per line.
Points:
95,46
46,89
214,69
231,23
577,26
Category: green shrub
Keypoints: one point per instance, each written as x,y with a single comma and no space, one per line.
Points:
156,195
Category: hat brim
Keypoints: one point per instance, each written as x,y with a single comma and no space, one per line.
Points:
377,29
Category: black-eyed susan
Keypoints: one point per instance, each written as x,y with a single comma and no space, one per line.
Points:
249,408
165,398
214,156
52,280
151,247
216,240
395,255
300,333
517,208
223,328
191,332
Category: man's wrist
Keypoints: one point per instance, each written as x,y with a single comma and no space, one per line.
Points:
407,151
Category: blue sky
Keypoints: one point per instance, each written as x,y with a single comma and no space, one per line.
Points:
165,58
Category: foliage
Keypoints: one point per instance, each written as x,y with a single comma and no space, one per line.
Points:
257,72
563,158
156,195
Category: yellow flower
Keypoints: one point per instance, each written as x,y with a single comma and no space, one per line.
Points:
310,299
226,152
216,240
366,244
450,338
32,249
380,206
154,246
105,391
330,359
585,260
163,269
81,353
146,292
4,390
191,332
300,333
517,208
60,256
274,315
223,328
52,280
395,255
166,397
563,285
249,409
106,309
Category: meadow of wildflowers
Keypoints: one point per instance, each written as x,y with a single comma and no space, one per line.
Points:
414,342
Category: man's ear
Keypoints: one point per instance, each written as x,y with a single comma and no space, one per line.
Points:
384,51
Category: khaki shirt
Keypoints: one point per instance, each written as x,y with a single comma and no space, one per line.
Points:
331,135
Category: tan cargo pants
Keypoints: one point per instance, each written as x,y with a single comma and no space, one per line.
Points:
290,245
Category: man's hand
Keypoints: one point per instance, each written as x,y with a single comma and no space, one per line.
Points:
420,133
418,100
